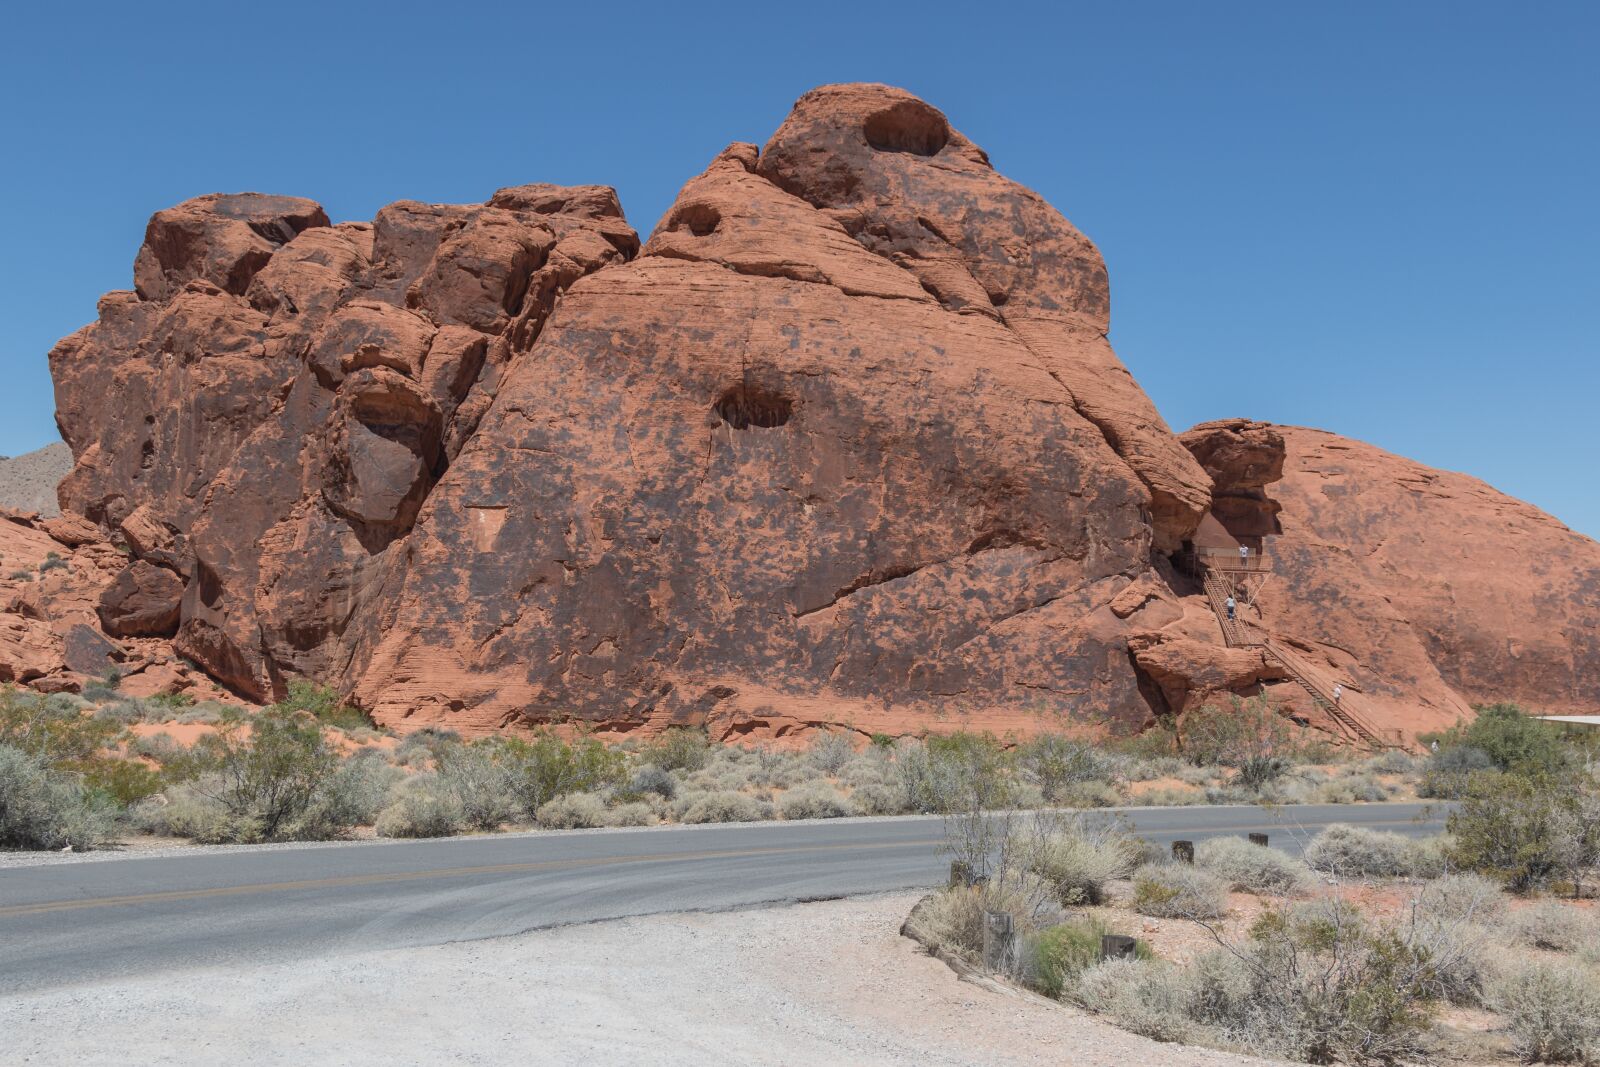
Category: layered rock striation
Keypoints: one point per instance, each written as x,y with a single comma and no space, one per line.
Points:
843,443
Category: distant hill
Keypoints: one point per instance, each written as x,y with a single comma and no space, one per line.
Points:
28,483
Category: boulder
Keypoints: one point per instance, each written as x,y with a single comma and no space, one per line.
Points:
142,601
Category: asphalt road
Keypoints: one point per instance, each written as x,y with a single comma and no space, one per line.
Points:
75,922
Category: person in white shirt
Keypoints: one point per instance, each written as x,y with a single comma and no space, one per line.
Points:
1338,692
1230,606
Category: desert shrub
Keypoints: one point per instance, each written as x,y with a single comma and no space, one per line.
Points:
1168,797
1351,789
323,703
573,811
1062,767
171,701
1464,897
831,751
1251,867
207,713
124,710
956,773
651,779
21,576
1322,986
1148,997
1064,951
953,918
722,807
780,770
631,814
477,775
353,795
539,770
182,811
1356,852
1552,1010
1077,857
1551,925
678,749
57,564
814,801
876,799
1513,740
268,776
420,748
424,808
1525,831
125,782
1390,761
1250,736
1445,773
1178,891
869,768
41,808
52,728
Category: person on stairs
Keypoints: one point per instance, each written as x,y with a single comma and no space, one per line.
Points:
1338,693
1230,605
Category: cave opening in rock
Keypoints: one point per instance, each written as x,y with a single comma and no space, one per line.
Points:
747,406
701,220
909,126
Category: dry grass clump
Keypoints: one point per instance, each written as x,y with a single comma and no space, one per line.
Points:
1148,997
1552,1009
814,800
1077,857
1252,868
423,807
1178,891
1356,852
1553,926
722,806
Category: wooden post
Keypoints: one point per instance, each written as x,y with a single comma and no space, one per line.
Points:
999,942
1183,851
1259,839
1118,947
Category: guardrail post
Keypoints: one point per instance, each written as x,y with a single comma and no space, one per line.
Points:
1118,947
999,942
1259,839
1183,851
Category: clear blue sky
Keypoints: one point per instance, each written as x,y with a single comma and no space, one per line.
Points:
1382,219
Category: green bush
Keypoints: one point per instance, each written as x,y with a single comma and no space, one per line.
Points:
541,769
41,808
1061,767
265,771
678,749
124,781
1178,891
1527,831
324,704
476,773
1251,868
1063,952
1512,740
52,728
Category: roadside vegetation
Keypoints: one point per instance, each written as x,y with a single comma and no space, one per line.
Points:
84,770
1480,945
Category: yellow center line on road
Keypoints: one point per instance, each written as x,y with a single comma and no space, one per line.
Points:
168,896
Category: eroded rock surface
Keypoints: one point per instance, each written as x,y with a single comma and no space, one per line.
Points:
843,444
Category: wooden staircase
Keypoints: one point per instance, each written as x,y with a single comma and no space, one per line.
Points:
1219,585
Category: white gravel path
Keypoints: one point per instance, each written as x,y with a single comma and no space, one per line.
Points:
823,983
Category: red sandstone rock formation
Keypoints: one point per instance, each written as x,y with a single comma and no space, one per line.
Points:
843,444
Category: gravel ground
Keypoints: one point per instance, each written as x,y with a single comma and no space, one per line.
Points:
28,483
821,983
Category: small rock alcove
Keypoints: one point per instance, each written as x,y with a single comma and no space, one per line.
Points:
747,406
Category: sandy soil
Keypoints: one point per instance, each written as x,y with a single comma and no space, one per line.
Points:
822,983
